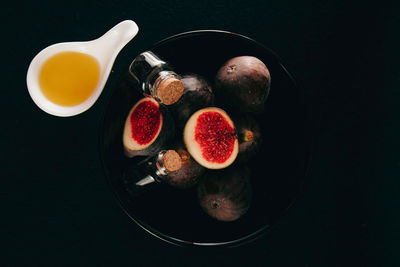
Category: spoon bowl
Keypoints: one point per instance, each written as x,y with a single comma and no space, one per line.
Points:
104,49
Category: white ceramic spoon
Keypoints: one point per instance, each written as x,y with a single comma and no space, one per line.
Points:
105,49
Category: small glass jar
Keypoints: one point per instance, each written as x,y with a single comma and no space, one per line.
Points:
156,78
142,176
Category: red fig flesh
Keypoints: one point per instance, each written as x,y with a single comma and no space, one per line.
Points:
210,138
143,128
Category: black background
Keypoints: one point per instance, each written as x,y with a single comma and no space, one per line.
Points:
57,209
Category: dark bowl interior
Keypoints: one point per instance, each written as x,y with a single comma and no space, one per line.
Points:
278,171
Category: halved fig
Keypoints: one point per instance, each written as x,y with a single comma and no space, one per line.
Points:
147,127
210,138
226,194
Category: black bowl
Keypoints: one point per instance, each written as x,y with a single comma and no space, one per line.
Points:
278,171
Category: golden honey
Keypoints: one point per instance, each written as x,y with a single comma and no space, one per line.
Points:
69,78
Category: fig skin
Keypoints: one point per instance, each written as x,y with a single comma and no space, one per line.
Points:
242,84
200,132
249,136
165,134
197,94
226,195
189,173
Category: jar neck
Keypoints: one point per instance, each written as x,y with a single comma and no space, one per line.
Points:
161,171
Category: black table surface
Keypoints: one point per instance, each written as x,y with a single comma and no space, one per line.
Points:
57,208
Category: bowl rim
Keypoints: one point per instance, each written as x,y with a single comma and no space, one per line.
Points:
184,243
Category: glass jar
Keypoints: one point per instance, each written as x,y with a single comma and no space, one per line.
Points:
156,78
141,177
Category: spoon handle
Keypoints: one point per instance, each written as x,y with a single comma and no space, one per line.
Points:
116,38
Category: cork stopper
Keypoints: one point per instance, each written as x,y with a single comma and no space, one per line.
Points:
171,161
170,90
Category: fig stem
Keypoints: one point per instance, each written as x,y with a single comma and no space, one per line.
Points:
248,136
215,204
231,68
